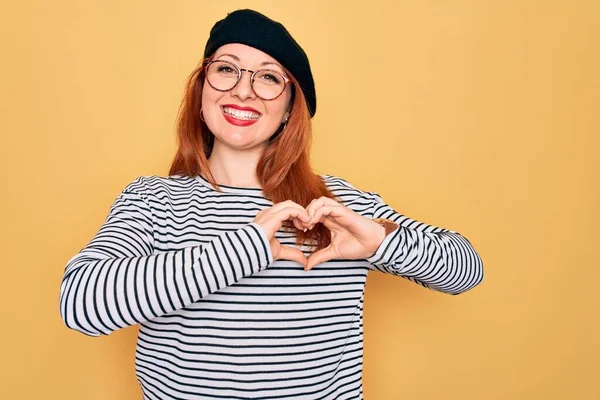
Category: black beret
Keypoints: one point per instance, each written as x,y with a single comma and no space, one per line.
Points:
256,30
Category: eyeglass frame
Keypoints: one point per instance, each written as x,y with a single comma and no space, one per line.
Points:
207,64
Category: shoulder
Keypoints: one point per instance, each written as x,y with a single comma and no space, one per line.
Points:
152,187
348,193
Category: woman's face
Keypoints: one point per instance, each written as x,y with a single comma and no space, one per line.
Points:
221,110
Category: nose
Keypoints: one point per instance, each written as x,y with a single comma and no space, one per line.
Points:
243,89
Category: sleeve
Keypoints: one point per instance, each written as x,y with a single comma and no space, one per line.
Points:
436,258
117,280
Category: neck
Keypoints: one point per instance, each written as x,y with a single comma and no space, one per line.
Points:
231,167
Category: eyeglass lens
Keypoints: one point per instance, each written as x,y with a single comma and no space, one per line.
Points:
267,84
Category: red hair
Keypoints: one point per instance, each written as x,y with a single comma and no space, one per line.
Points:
284,170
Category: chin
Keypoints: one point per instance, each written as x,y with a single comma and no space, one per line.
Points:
236,142
242,140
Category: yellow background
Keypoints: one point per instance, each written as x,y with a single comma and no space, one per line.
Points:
478,116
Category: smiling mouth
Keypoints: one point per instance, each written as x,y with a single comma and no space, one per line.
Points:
240,114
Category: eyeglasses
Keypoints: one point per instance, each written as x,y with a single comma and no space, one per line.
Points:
266,83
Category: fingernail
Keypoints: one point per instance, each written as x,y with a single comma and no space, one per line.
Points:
305,229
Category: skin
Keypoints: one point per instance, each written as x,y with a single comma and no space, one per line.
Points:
237,149
236,153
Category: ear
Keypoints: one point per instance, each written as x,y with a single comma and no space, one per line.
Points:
286,116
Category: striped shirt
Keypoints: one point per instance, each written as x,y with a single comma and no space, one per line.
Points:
219,318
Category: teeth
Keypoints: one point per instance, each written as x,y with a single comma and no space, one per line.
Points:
239,114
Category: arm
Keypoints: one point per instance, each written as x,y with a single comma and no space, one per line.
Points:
437,258
118,281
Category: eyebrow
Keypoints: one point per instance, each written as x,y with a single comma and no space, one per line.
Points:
261,64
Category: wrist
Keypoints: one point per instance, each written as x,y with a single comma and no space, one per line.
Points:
388,226
385,227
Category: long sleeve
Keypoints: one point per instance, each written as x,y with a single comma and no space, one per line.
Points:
437,258
117,280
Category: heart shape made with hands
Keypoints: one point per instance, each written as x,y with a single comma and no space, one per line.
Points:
352,235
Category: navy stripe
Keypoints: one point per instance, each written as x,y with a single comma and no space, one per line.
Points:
219,318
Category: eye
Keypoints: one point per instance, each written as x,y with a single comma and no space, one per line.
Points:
269,77
226,69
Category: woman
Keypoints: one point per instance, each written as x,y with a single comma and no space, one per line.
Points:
246,270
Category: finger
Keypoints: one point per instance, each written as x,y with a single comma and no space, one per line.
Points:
310,209
293,254
284,204
334,211
318,257
318,203
268,212
309,204
299,225
290,213
271,222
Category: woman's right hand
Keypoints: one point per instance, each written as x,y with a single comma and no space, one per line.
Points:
271,219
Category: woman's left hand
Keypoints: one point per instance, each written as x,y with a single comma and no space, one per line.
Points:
353,236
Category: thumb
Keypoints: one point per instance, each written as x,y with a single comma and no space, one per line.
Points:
318,257
293,254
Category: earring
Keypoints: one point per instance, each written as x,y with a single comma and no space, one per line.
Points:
201,116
